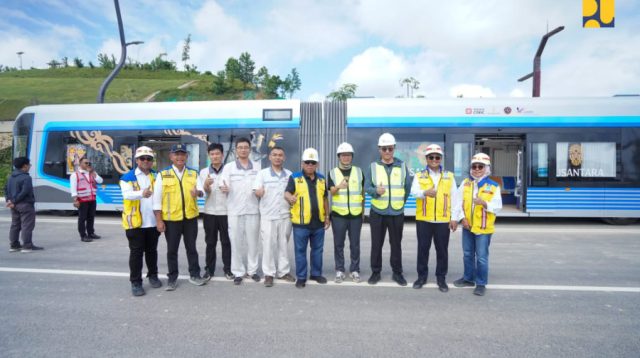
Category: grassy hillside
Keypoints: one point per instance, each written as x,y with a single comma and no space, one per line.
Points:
19,89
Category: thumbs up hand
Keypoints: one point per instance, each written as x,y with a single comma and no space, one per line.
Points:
380,189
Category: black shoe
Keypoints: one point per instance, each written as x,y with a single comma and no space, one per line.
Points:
197,280
237,281
137,290
375,277
301,283
207,276
155,282
442,286
15,248
27,249
399,279
171,285
268,281
419,283
319,279
255,277
94,236
85,239
229,275
463,283
479,290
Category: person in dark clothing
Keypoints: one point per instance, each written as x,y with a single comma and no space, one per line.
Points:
21,201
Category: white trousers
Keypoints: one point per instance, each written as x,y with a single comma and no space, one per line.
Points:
244,231
275,235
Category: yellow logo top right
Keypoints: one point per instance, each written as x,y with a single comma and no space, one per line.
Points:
598,13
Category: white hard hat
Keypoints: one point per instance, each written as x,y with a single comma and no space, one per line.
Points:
386,139
433,148
310,154
481,158
344,148
144,151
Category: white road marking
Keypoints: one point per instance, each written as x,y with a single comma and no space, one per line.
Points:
346,283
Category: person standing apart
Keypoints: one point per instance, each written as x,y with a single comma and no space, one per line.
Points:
84,186
139,221
306,193
214,218
275,220
175,205
346,183
20,199
436,192
481,201
388,182
242,209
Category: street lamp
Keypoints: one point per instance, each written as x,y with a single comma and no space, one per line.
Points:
536,62
123,55
19,53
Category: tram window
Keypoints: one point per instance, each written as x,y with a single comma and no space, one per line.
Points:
461,160
21,132
586,160
539,164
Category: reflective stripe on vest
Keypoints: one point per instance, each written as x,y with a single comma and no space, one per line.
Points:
394,193
349,200
480,220
175,192
86,188
131,214
301,210
438,208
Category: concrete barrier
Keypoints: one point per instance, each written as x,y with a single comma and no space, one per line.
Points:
6,126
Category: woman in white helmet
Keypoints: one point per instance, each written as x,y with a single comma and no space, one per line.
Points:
346,183
481,201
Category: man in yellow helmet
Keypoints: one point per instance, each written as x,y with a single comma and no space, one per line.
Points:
346,183
139,221
388,182
481,201
436,192
175,195
306,192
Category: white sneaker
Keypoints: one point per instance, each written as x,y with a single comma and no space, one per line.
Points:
355,277
339,276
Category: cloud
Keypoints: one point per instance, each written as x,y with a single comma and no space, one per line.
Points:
471,91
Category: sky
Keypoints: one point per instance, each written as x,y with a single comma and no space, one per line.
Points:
462,47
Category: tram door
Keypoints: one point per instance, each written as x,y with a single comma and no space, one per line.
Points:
507,167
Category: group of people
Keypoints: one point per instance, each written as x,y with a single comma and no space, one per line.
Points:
252,211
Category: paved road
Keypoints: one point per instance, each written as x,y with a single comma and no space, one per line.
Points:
557,288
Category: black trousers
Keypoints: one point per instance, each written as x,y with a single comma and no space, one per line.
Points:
214,225
86,216
439,233
379,226
142,242
174,231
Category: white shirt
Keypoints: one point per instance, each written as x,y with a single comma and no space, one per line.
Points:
493,206
435,177
216,201
146,204
157,188
73,180
273,206
240,199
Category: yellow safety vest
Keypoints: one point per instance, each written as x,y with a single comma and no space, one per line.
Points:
175,192
438,208
301,210
394,193
480,220
131,215
347,201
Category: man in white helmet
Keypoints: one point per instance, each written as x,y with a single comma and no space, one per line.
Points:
306,192
481,201
346,183
139,220
436,192
388,182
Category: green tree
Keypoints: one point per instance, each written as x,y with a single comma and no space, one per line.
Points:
106,62
186,48
262,76
53,64
247,66
292,83
348,90
219,83
78,62
411,83
232,69
272,85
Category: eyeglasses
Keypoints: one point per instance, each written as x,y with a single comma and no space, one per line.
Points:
477,166
310,162
148,159
434,157
87,163
387,149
